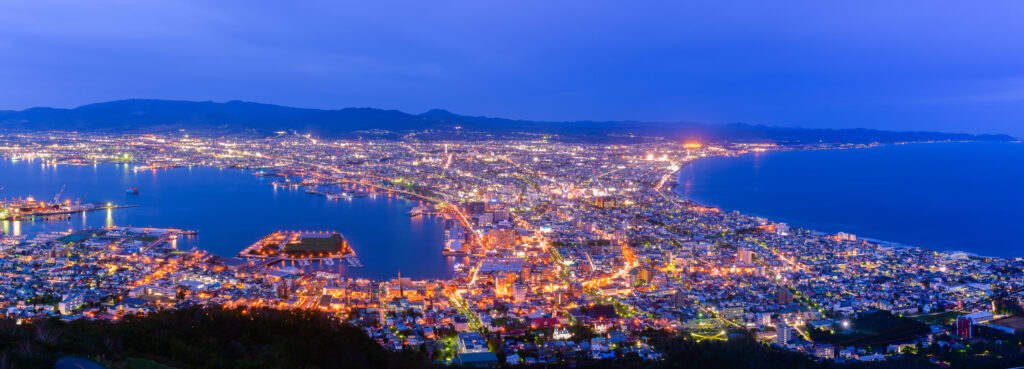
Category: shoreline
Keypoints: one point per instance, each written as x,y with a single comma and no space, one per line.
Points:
880,242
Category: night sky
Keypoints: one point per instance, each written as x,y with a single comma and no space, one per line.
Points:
906,65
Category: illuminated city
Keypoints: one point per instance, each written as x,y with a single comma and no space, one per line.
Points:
585,246
511,184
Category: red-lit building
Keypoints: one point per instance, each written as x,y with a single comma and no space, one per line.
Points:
963,327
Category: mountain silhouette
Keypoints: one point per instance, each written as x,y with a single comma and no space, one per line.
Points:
239,117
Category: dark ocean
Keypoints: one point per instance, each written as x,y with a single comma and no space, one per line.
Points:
942,196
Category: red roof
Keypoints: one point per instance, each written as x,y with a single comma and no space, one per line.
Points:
544,322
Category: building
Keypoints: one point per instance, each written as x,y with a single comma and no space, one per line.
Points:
478,359
980,317
235,264
825,352
734,312
644,275
679,298
454,245
784,297
604,202
501,215
745,256
519,292
502,284
460,323
70,303
502,238
963,327
783,334
1011,325
470,342
659,280
485,219
476,208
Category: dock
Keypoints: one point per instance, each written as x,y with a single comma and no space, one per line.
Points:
19,211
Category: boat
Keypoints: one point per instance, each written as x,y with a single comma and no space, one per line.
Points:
132,191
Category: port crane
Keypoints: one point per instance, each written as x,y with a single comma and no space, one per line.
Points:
56,199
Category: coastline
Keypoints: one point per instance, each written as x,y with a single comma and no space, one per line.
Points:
877,241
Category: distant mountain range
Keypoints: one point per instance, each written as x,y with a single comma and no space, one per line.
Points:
238,117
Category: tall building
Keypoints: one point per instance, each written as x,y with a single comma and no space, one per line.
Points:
745,256
783,334
604,202
575,289
963,327
476,208
502,284
486,219
501,215
644,275
679,298
519,292
784,298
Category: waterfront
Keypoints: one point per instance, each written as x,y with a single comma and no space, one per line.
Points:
231,209
548,236
943,196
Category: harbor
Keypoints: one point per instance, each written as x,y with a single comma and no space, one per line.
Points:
220,202
29,209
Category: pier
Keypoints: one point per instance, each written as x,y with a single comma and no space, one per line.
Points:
30,209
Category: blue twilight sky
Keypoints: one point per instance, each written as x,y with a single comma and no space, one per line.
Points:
907,65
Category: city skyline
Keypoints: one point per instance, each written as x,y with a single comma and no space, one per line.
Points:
556,252
586,184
